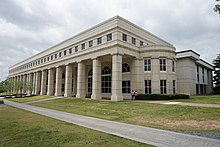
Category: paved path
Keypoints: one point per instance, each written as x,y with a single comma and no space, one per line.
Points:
182,103
142,134
53,98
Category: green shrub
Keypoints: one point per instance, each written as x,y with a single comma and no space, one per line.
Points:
161,96
1,101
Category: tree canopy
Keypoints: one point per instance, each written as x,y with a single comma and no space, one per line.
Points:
216,77
217,7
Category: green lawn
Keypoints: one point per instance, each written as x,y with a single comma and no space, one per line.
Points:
25,129
28,99
209,99
173,117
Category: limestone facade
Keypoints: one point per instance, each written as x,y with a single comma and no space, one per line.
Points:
106,61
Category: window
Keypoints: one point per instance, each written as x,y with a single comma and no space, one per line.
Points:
41,61
60,54
173,66
44,59
55,56
124,37
48,58
90,81
64,53
147,86
83,46
126,87
125,67
162,64
51,57
163,86
106,80
197,73
147,64
133,40
109,37
91,43
76,48
38,61
70,51
141,43
203,76
174,86
99,40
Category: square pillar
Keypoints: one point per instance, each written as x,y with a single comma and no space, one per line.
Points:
51,77
34,82
96,79
43,82
58,91
37,83
137,78
24,83
68,81
81,91
116,77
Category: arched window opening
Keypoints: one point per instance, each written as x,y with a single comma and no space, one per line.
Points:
125,67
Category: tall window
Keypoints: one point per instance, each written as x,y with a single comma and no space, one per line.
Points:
173,66
99,40
203,75
51,57
90,81
76,48
44,59
124,37
162,64
48,58
70,51
163,86
60,54
83,46
91,43
174,86
64,53
141,43
126,87
198,73
133,40
147,64
125,67
148,86
106,80
109,37
55,56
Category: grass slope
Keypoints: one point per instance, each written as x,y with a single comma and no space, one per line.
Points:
28,99
23,129
205,99
173,117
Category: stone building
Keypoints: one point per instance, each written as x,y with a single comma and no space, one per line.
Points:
108,61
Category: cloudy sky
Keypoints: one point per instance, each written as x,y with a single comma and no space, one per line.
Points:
28,27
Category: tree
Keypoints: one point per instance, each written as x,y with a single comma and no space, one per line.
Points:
216,77
217,7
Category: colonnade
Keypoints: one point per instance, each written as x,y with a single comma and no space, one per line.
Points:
70,79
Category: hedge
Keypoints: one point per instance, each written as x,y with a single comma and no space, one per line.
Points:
161,96
1,101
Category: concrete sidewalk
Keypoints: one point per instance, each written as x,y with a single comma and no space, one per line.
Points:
181,103
142,134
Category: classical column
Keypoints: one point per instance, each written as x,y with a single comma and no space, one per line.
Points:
28,83
137,75
58,91
96,79
34,83
31,83
50,90
37,83
18,83
24,83
116,77
74,81
81,80
43,82
68,81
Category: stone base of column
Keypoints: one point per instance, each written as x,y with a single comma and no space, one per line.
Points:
57,94
96,97
116,98
80,95
42,93
50,93
68,95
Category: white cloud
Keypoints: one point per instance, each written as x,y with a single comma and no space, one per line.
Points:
28,27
